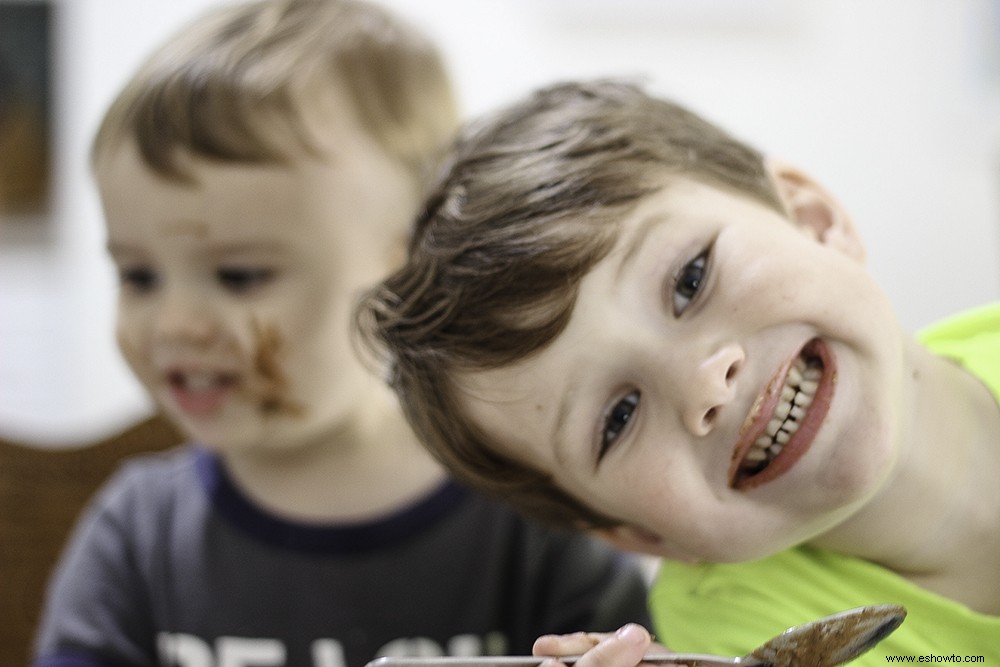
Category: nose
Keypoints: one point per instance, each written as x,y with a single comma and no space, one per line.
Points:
711,387
182,317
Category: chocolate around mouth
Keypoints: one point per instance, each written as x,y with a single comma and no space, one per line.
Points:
785,418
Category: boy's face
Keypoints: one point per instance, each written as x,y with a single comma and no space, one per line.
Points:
237,291
671,400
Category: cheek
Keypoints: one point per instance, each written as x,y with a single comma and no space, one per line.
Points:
268,382
129,337
315,312
323,352
671,497
129,350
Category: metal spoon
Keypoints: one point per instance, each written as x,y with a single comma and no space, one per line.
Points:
825,642
833,640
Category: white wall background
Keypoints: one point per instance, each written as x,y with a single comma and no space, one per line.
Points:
894,104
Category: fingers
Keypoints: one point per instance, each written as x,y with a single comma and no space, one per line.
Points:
572,644
624,648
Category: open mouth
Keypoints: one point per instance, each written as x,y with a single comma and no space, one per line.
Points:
199,382
200,392
785,417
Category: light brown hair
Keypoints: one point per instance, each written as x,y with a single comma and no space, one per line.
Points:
526,206
230,86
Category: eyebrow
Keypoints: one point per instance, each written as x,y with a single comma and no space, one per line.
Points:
642,232
212,252
118,249
236,247
558,431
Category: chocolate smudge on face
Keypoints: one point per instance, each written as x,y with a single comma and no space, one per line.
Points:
268,381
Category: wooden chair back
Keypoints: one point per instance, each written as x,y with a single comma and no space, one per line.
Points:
42,492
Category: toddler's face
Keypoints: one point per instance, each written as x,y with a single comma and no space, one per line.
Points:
728,381
236,293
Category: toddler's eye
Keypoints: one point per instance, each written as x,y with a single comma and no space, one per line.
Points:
141,279
244,279
688,283
616,421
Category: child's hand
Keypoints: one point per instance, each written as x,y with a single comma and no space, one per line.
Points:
624,648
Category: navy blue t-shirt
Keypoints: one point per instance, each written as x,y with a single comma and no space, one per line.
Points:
172,565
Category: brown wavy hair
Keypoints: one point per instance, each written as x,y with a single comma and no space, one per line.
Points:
230,85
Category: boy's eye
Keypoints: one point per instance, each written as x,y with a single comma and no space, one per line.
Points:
243,279
140,279
616,421
688,283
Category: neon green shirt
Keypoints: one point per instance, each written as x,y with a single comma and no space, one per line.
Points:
732,608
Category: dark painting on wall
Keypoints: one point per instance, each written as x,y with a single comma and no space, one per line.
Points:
25,107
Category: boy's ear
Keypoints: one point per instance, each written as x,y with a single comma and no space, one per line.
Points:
814,210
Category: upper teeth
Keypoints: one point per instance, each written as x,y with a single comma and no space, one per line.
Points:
199,381
796,395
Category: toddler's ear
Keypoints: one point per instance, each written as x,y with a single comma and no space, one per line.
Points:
813,209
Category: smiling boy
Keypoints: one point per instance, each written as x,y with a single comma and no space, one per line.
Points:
618,317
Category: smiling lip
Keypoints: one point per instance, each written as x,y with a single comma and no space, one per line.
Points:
200,393
744,471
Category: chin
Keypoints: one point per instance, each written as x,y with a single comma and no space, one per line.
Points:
854,476
766,539
753,550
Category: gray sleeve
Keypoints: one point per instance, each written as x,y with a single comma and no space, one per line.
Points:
596,587
96,608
